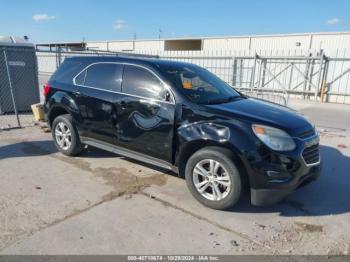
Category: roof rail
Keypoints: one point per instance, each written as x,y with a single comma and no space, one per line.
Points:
123,53
85,51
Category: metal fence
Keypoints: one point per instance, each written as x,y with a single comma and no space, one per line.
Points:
18,85
315,76
271,75
277,75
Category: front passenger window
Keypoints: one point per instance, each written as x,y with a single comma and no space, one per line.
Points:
140,82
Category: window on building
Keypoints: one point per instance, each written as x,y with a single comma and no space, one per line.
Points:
188,44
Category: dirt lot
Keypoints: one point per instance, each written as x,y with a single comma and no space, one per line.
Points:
100,203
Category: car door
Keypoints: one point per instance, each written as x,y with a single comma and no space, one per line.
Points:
145,113
98,87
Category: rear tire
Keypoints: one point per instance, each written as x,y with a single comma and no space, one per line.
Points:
65,135
213,178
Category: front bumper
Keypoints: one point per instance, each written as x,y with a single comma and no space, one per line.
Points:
269,196
273,176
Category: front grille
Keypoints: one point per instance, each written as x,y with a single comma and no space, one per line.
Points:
311,154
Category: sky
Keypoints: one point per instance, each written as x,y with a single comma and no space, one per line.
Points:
76,20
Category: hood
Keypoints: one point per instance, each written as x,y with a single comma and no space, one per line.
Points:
263,112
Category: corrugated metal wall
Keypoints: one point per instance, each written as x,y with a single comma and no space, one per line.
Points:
331,43
327,41
226,44
120,46
279,42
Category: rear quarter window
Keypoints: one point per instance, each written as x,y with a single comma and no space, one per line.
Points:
106,76
66,71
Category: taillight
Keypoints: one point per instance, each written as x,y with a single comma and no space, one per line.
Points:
46,90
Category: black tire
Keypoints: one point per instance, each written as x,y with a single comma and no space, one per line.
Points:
225,158
75,147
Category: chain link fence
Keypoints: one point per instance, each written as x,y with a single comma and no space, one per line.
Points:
18,86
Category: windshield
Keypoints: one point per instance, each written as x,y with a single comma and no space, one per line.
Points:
200,85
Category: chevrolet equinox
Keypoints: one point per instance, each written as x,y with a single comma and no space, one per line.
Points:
181,117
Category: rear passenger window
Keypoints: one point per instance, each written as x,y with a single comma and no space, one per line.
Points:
140,82
105,76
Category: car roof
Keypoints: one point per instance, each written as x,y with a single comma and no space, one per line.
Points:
153,62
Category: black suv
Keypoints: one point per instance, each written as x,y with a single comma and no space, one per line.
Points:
181,117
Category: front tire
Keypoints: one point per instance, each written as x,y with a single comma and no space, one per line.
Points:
213,178
65,135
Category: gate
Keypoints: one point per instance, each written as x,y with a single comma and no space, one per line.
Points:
276,78
336,88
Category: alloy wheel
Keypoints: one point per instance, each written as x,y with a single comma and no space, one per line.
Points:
211,179
63,136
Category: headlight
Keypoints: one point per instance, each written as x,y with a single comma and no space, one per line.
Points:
274,138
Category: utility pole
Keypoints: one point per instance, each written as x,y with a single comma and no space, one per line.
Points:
133,42
160,32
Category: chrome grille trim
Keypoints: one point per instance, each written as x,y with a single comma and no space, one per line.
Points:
311,155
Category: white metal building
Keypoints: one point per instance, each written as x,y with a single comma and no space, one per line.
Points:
306,41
